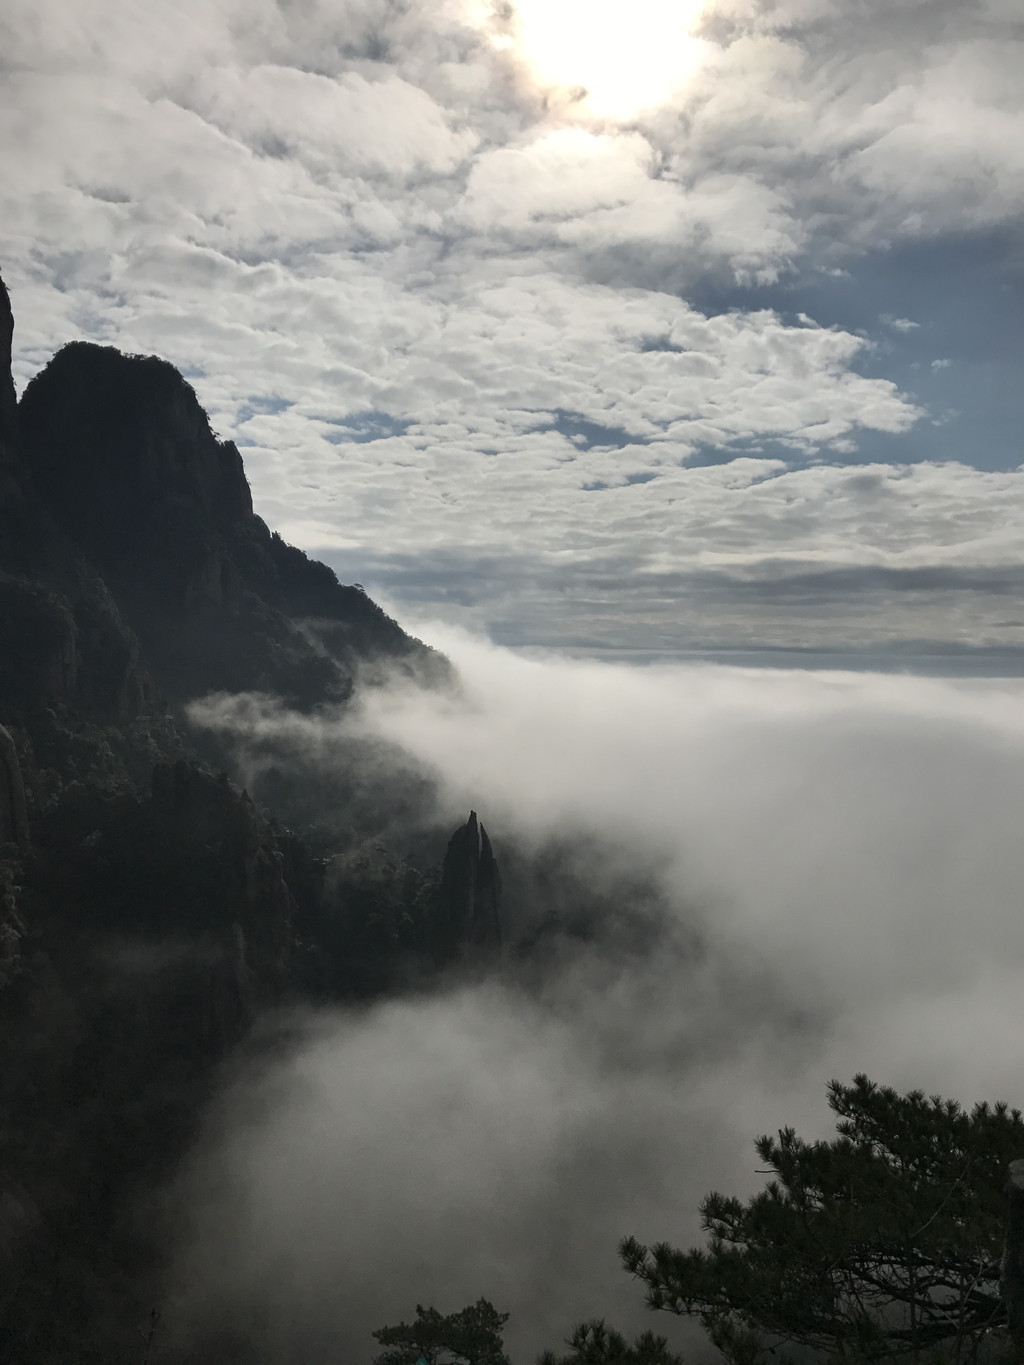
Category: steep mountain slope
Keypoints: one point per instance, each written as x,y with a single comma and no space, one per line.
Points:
122,456
149,909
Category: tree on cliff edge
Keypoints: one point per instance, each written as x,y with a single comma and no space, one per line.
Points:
882,1243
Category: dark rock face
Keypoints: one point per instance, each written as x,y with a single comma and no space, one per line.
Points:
148,908
25,531
121,450
122,456
471,890
64,640
8,402
13,810
203,823
69,649
1012,1280
144,933
40,658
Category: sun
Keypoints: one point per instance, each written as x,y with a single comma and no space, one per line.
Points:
617,57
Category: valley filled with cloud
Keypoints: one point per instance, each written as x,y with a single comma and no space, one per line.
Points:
789,877
660,366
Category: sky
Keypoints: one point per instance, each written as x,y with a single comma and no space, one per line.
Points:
615,334
638,330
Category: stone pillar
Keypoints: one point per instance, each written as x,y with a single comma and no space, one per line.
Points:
8,401
471,891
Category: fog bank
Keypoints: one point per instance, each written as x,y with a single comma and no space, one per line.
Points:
839,866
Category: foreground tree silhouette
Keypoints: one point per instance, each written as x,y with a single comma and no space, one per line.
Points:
593,1343
470,1337
884,1242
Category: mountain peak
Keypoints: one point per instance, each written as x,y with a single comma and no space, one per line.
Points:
8,400
119,444
116,454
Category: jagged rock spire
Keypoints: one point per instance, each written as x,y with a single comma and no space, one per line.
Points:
8,399
471,889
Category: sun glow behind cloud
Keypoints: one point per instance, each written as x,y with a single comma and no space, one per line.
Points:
615,57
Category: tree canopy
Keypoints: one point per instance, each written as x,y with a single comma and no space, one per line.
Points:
470,1337
593,1343
883,1242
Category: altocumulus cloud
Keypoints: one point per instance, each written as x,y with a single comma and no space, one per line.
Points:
874,561
838,875
429,293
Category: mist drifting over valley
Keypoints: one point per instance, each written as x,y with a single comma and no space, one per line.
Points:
582,336
793,876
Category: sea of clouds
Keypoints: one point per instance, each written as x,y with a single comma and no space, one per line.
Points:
838,866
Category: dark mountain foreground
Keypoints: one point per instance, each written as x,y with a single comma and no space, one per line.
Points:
151,909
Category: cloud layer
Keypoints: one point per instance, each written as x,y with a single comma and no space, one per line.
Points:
442,302
824,873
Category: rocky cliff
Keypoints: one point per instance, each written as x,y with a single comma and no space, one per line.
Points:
8,402
122,457
149,910
471,889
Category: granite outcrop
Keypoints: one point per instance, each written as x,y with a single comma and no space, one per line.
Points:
150,909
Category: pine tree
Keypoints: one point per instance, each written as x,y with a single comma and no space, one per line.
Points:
470,1337
884,1242
592,1343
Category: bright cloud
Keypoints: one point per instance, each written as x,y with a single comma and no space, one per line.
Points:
613,60
832,866
429,299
